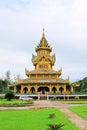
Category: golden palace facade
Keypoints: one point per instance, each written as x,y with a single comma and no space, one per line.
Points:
43,79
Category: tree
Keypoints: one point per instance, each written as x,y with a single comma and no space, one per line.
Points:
3,85
82,85
8,77
16,78
5,82
9,95
55,127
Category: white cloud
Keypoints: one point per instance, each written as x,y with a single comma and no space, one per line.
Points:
65,25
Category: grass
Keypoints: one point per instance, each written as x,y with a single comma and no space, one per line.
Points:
13,102
80,110
33,119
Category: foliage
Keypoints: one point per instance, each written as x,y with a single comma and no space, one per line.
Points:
8,77
51,116
14,102
74,101
1,97
9,95
76,97
3,84
55,127
83,85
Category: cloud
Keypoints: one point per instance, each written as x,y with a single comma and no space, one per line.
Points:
65,23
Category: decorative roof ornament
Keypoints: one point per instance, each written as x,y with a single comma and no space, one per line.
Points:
43,33
43,45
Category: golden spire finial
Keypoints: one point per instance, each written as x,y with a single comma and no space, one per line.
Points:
43,33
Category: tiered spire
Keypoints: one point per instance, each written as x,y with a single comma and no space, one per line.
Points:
43,44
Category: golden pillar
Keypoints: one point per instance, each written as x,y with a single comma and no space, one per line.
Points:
36,89
57,87
14,89
50,89
22,87
64,87
28,89
71,89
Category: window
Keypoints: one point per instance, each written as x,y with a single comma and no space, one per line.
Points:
43,66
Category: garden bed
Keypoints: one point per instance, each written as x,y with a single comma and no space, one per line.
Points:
15,103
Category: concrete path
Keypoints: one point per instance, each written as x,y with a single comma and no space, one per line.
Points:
77,120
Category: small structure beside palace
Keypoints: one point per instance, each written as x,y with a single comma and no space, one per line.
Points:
43,79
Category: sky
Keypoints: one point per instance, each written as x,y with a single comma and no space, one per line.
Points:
65,24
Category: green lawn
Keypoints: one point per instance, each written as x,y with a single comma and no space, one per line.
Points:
74,101
33,119
13,102
80,110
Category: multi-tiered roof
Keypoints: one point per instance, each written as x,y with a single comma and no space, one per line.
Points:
44,59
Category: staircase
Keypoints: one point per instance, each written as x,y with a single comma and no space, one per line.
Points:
42,97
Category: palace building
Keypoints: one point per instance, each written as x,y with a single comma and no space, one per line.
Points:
43,79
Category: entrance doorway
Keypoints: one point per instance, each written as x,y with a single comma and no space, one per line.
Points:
43,89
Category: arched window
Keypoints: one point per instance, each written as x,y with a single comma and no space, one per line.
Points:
18,88
68,88
61,90
25,90
54,90
32,90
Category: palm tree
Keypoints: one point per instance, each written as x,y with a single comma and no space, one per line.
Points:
55,127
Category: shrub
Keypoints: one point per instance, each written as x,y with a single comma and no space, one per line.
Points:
76,97
9,95
1,97
51,116
55,126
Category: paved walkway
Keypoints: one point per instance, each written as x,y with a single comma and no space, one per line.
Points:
77,120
